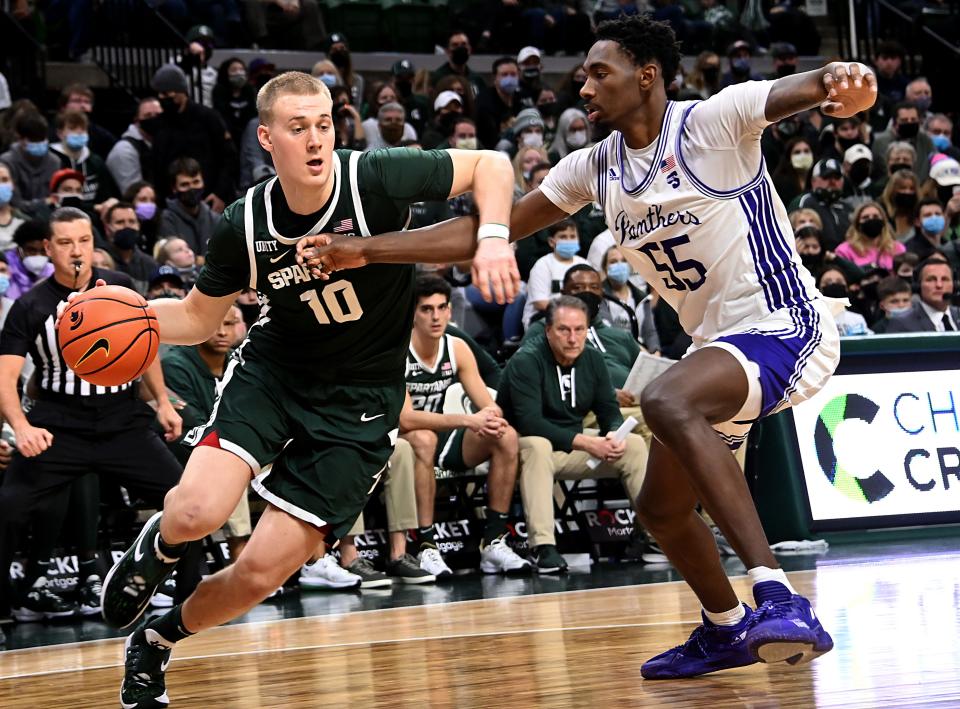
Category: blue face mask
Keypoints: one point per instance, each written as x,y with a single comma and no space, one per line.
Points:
38,150
329,79
567,249
940,142
933,224
4,284
6,193
619,272
77,141
898,312
509,84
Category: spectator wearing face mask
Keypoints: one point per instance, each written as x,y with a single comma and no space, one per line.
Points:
186,214
626,306
790,174
527,131
869,240
704,78
143,197
327,72
416,105
573,133
833,284
944,184
784,56
919,93
10,217
528,60
899,198
234,98
28,261
499,103
906,128
389,129
930,226
774,139
894,299
739,54
546,276
66,190
814,257
859,186
338,51
447,107
79,97
464,135
122,231
458,55
31,163
75,154
569,95
824,197
131,158
940,129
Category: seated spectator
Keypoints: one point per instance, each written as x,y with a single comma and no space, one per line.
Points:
389,127
739,54
461,87
899,200
31,163
824,197
627,307
261,71
176,252
919,93
894,297
790,174
447,107
905,127
704,78
546,276
131,158
346,121
463,135
455,442
28,262
122,231
526,132
10,217
816,259
381,93
74,154
573,133
859,186
458,56
166,283
932,312
103,259
833,284
940,129
498,103
338,52
547,390
187,215
144,200
784,57
930,226
944,184
416,105
869,240
528,60
904,266
569,89
888,64
285,24
327,72
80,97
234,98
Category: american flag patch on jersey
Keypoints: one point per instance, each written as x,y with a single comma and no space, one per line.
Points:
344,225
668,164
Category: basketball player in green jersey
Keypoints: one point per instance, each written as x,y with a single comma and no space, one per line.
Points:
309,405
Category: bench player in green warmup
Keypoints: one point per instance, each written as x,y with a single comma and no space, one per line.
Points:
317,387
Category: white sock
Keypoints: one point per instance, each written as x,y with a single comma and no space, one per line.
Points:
730,617
763,573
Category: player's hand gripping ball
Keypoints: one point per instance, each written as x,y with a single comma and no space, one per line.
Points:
108,335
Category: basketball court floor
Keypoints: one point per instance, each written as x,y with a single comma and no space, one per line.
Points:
893,609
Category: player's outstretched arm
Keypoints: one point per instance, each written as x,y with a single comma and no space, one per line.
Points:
840,90
192,320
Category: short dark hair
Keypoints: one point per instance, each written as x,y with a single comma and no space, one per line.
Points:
907,257
428,284
890,48
645,40
926,202
577,268
32,126
497,63
564,301
31,230
65,215
561,225
542,165
130,193
71,89
108,215
935,259
891,285
905,105
182,166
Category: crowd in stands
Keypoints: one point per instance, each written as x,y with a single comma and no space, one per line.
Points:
874,201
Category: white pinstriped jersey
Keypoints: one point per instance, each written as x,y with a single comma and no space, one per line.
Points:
695,212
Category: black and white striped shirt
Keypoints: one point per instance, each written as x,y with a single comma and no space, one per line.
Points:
29,331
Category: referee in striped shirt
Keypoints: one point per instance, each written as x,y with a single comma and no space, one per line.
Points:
74,428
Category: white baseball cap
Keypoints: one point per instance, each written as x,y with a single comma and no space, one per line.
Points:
857,152
445,98
526,53
946,172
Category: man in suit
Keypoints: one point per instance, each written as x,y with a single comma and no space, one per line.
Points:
933,312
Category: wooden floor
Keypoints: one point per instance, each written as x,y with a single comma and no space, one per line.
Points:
896,626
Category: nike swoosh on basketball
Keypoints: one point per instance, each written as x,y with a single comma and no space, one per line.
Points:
101,344
364,417
277,258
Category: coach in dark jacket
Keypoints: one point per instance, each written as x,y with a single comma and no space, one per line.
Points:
932,312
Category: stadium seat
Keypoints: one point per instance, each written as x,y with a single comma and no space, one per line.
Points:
408,25
359,19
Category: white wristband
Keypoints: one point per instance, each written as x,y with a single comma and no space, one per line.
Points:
493,231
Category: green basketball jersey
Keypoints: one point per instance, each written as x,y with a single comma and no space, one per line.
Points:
355,327
428,385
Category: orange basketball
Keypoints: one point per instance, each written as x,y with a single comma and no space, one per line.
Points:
108,335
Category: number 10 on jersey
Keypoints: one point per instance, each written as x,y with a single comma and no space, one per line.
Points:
339,303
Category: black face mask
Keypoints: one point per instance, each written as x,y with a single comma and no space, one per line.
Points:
711,74
531,75
868,291
169,105
812,262
872,228
825,195
945,194
788,129
834,290
847,143
74,201
151,125
592,301
859,171
547,110
190,198
126,239
340,58
460,55
404,87
786,70
166,293
905,201
249,311
907,131
899,166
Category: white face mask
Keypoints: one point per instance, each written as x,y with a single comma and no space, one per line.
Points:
466,143
533,140
577,138
35,264
801,161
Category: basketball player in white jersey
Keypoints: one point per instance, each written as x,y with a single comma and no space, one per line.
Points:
691,205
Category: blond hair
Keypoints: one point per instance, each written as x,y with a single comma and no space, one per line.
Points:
800,215
859,241
291,82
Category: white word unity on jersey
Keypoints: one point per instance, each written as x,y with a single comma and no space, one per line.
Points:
695,212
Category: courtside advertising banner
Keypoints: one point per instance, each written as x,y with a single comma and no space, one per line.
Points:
883,448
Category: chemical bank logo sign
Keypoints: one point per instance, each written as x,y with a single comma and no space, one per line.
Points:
882,444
